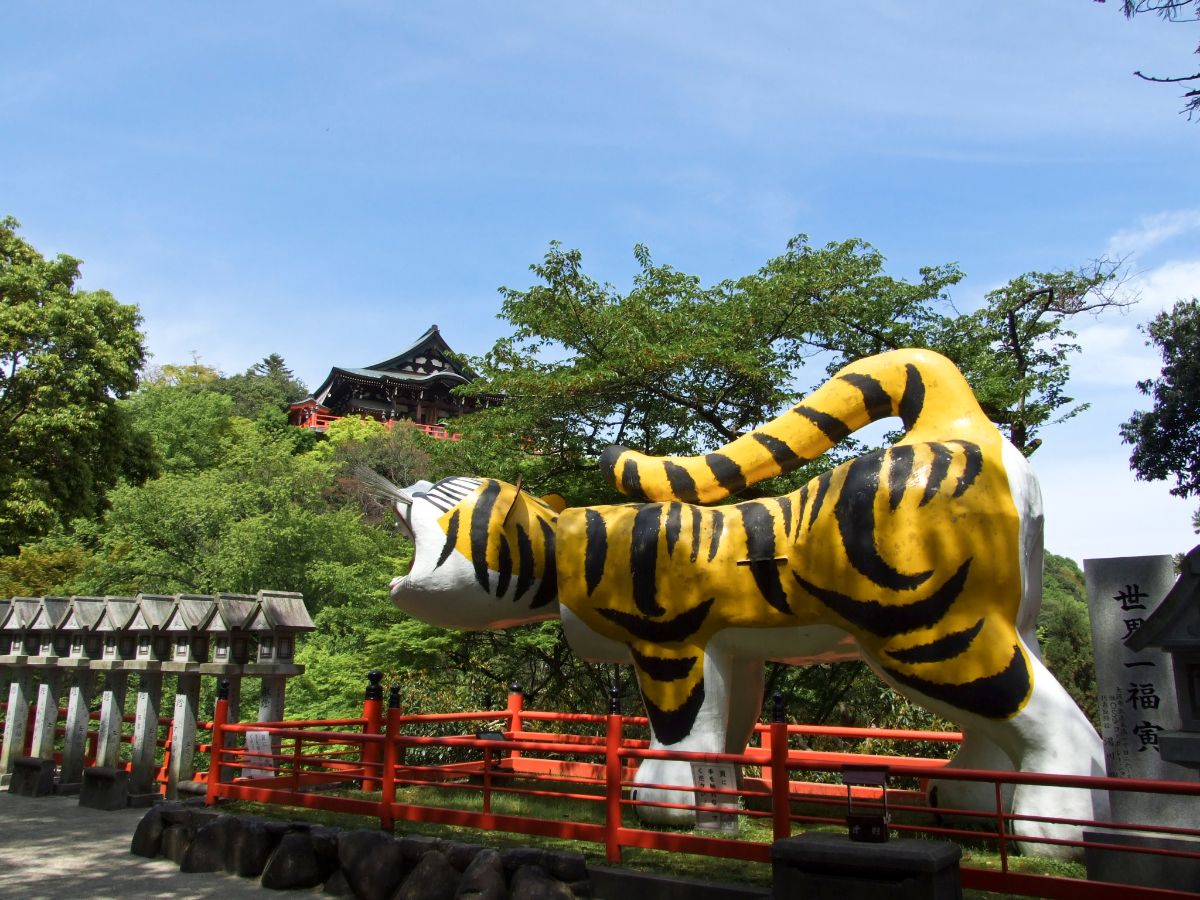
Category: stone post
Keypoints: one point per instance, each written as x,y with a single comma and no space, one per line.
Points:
183,733
1135,690
145,733
46,715
15,723
270,698
230,739
112,711
79,697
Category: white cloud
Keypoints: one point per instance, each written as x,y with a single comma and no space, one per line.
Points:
1153,230
1161,287
1113,354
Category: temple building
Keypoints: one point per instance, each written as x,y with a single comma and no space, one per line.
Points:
414,385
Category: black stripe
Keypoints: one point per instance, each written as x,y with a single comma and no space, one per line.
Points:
785,507
901,468
451,538
714,541
631,481
944,648
760,547
819,497
547,591
877,400
682,484
505,570
913,401
785,457
889,620
664,631
996,696
608,464
643,558
855,514
661,668
831,426
726,471
800,511
760,530
525,562
673,526
971,470
695,513
937,471
480,528
596,549
672,726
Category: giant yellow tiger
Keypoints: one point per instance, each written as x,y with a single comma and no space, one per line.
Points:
924,558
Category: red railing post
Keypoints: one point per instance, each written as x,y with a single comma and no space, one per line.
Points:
781,816
516,703
612,778
487,779
1001,828
387,821
372,753
220,715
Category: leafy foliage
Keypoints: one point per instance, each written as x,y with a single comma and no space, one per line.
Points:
672,367
1166,439
65,357
1065,632
267,386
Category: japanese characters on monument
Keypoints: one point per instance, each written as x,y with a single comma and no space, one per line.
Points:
1135,690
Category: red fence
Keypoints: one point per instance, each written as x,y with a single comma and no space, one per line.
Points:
321,421
587,768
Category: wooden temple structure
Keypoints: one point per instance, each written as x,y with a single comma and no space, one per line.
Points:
414,385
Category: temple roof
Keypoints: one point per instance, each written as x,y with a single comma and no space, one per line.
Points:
428,361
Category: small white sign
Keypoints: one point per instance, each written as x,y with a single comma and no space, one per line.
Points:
258,743
709,778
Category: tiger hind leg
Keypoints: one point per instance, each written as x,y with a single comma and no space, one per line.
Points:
1050,735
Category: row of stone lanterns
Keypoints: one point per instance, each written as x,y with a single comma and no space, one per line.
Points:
90,644
236,629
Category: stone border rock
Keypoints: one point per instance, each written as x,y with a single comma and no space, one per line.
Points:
369,865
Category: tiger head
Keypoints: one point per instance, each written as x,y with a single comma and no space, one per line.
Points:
483,553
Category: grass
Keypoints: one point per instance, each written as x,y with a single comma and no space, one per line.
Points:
975,854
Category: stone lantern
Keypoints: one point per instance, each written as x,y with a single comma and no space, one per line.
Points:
18,622
156,610
231,640
84,642
281,617
188,626
47,624
119,643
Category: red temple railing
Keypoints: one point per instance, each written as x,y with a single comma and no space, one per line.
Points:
318,421
589,764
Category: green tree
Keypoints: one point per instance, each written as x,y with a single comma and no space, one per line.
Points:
66,357
1065,632
186,426
268,385
672,366
1166,438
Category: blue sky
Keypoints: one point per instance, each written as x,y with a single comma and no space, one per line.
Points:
325,180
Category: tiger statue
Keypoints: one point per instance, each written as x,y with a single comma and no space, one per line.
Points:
924,558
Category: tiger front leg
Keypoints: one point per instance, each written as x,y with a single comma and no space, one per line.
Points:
720,719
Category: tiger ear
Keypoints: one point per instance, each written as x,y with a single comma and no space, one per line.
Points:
556,502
